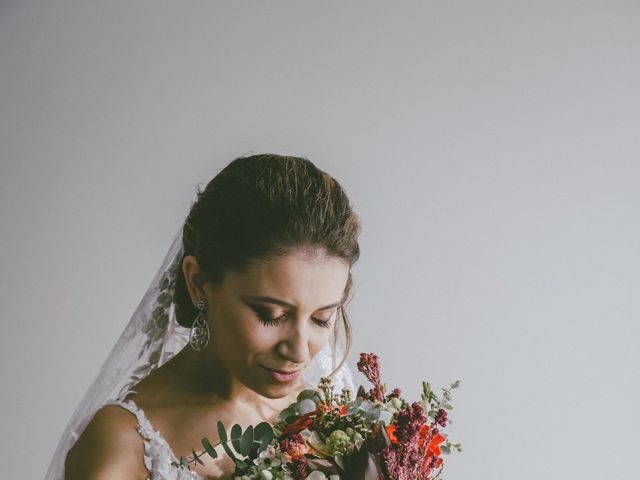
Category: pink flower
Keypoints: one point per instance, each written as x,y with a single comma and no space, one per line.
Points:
369,366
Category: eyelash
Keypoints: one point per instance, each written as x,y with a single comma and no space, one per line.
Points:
272,322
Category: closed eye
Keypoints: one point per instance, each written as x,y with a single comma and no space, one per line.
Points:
274,321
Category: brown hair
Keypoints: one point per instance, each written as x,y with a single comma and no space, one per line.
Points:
265,206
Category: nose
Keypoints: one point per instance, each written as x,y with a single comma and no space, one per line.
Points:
294,345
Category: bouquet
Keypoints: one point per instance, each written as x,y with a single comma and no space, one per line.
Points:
377,435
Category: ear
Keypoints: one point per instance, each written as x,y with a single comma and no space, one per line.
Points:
194,278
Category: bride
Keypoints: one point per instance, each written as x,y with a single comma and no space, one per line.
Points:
243,314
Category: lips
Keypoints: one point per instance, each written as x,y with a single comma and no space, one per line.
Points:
282,376
284,372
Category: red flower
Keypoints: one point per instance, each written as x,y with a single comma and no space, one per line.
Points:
299,424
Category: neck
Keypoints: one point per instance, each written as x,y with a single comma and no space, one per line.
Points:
204,379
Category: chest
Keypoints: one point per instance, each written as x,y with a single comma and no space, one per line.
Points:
183,429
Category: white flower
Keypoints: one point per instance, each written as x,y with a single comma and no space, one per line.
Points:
268,454
266,474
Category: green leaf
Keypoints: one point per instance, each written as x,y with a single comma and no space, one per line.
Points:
246,441
236,433
385,417
447,406
241,464
445,449
286,413
196,457
305,405
311,394
229,451
206,444
264,434
223,439
222,432
255,449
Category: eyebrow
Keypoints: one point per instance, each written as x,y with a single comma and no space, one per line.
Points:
282,303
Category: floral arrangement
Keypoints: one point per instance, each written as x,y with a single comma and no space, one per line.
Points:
324,435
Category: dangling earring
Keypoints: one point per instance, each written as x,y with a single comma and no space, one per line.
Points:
199,335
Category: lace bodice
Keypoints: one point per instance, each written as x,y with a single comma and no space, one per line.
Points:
158,455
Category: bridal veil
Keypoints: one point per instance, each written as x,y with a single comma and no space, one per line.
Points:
151,338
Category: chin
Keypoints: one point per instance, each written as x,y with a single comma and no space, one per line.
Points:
275,391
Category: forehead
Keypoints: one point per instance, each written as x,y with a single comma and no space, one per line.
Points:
298,278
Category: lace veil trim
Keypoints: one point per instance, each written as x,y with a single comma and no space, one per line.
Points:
152,337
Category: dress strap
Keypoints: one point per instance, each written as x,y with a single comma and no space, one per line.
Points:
144,426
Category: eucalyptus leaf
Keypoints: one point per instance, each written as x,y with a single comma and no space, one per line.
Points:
305,405
229,452
366,405
206,444
222,432
286,413
246,441
255,448
351,409
241,464
236,433
196,457
308,394
264,434
385,417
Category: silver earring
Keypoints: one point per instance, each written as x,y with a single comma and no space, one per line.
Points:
199,335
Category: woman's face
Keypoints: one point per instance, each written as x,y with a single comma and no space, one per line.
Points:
275,316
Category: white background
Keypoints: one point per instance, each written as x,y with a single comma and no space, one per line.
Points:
491,149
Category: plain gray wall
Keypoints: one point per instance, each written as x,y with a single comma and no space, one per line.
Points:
491,149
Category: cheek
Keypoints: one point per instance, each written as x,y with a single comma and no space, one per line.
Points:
242,335
318,342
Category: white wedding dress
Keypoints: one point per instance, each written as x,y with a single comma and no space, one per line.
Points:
158,456
150,339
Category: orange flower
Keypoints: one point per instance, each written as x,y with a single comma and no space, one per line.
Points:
423,433
391,431
434,448
324,408
297,450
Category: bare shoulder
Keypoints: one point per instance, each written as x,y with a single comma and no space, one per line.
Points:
109,447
